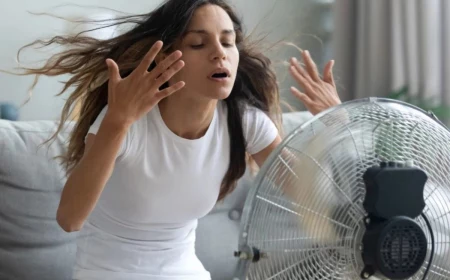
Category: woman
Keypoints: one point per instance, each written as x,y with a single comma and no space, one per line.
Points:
170,110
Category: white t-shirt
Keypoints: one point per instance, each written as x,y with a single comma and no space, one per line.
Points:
143,226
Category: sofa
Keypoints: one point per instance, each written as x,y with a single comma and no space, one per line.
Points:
8,111
33,246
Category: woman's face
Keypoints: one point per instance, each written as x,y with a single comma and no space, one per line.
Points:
210,54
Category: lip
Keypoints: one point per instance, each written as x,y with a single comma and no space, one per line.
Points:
220,70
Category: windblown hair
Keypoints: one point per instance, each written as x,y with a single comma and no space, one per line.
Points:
84,59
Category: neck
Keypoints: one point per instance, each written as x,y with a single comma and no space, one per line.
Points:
186,117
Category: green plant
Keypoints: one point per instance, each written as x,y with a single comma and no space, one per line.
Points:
393,143
441,111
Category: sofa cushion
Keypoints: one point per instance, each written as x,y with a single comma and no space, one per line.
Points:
32,245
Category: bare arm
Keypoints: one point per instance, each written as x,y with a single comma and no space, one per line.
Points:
129,99
261,156
87,180
282,179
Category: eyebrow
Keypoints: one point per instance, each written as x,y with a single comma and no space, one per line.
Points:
202,31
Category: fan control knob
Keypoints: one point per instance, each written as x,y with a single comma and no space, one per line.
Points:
241,255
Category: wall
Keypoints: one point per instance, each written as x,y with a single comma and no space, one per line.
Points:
281,18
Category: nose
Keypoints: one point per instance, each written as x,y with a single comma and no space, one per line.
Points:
218,53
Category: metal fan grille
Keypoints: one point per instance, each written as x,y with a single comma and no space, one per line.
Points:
306,212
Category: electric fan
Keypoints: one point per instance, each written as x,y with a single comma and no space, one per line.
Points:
361,191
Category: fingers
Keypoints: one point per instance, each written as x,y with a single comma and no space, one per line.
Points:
168,91
165,64
149,57
328,73
164,77
113,71
302,80
300,95
311,67
301,71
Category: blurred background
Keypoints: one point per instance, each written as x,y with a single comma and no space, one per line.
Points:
397,49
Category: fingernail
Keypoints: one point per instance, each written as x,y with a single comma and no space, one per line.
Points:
294,60
307,53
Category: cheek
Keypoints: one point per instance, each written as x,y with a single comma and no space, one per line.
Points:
191,74
234,58
191,66
191,70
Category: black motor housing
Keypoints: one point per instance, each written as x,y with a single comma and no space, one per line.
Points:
394,245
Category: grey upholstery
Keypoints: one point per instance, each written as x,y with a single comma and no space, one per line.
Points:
32,246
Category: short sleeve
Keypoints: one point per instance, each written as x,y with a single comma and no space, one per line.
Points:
93,129
259,129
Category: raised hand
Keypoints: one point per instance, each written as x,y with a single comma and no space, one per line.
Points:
134,96
318,93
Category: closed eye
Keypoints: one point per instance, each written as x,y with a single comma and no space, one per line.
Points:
197,46
226,45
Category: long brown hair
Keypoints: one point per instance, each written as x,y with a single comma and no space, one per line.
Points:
255,85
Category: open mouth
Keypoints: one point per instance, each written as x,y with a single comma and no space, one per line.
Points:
220,75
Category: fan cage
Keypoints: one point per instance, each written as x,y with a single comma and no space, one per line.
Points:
305,212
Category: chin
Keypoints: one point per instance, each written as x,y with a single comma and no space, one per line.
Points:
219,94
224,95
